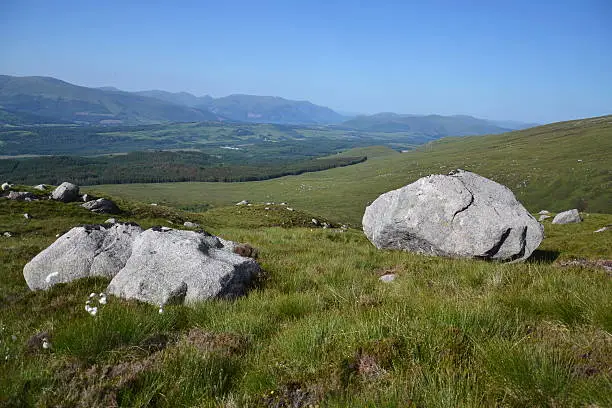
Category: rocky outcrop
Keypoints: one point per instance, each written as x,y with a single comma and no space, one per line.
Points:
172,266
567,217
102,206
66,192
84,251
21,196
159,266
457,215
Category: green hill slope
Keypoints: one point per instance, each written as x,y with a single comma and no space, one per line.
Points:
558,166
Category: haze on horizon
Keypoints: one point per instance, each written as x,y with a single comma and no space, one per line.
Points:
512,60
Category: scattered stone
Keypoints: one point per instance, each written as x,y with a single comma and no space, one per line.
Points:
6,186
243,202
190,224
605,264
110,221
567,217
389,277
289,209
543,217
457,215
66,192
154,204
7,234
267,208
39,341
246,250
21,195
315,221
86,197
544,212
326,225
90,250
283,203
602,229
181,267
27,216
101,206
41,187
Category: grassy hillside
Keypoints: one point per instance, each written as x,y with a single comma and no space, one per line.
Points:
320,330
555,167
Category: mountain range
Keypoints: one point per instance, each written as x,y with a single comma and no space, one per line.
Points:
38,100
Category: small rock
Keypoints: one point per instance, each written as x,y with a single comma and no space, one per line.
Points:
543,212
602,229
326,225
86,197
315,221
283,203
7,234
190,224
154,204
101,206
388,277
66,192
543,217
110,221
289,209
41,187
579,160
27,216
267,208
6,186
567,217
243,202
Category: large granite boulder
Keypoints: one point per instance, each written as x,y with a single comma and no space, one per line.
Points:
102,206
84,251
66,192
457,215
567,217
172,266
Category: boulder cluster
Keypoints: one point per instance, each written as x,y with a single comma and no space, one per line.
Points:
159,265
65,193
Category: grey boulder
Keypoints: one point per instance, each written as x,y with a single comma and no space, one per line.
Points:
457,215
172,266
567,217
101,206
41,187
66,192
84,251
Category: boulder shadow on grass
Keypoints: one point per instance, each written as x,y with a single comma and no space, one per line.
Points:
543,256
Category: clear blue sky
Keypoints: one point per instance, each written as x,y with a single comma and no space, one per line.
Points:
525,60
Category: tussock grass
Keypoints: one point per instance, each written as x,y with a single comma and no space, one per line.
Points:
321,329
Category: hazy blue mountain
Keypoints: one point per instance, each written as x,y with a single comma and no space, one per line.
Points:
427,125
52,98
514,124
179,98
272,109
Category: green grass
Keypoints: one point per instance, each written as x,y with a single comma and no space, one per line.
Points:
321,329
554,167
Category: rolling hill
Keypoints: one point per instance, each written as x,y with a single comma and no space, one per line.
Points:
556,167
56,100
